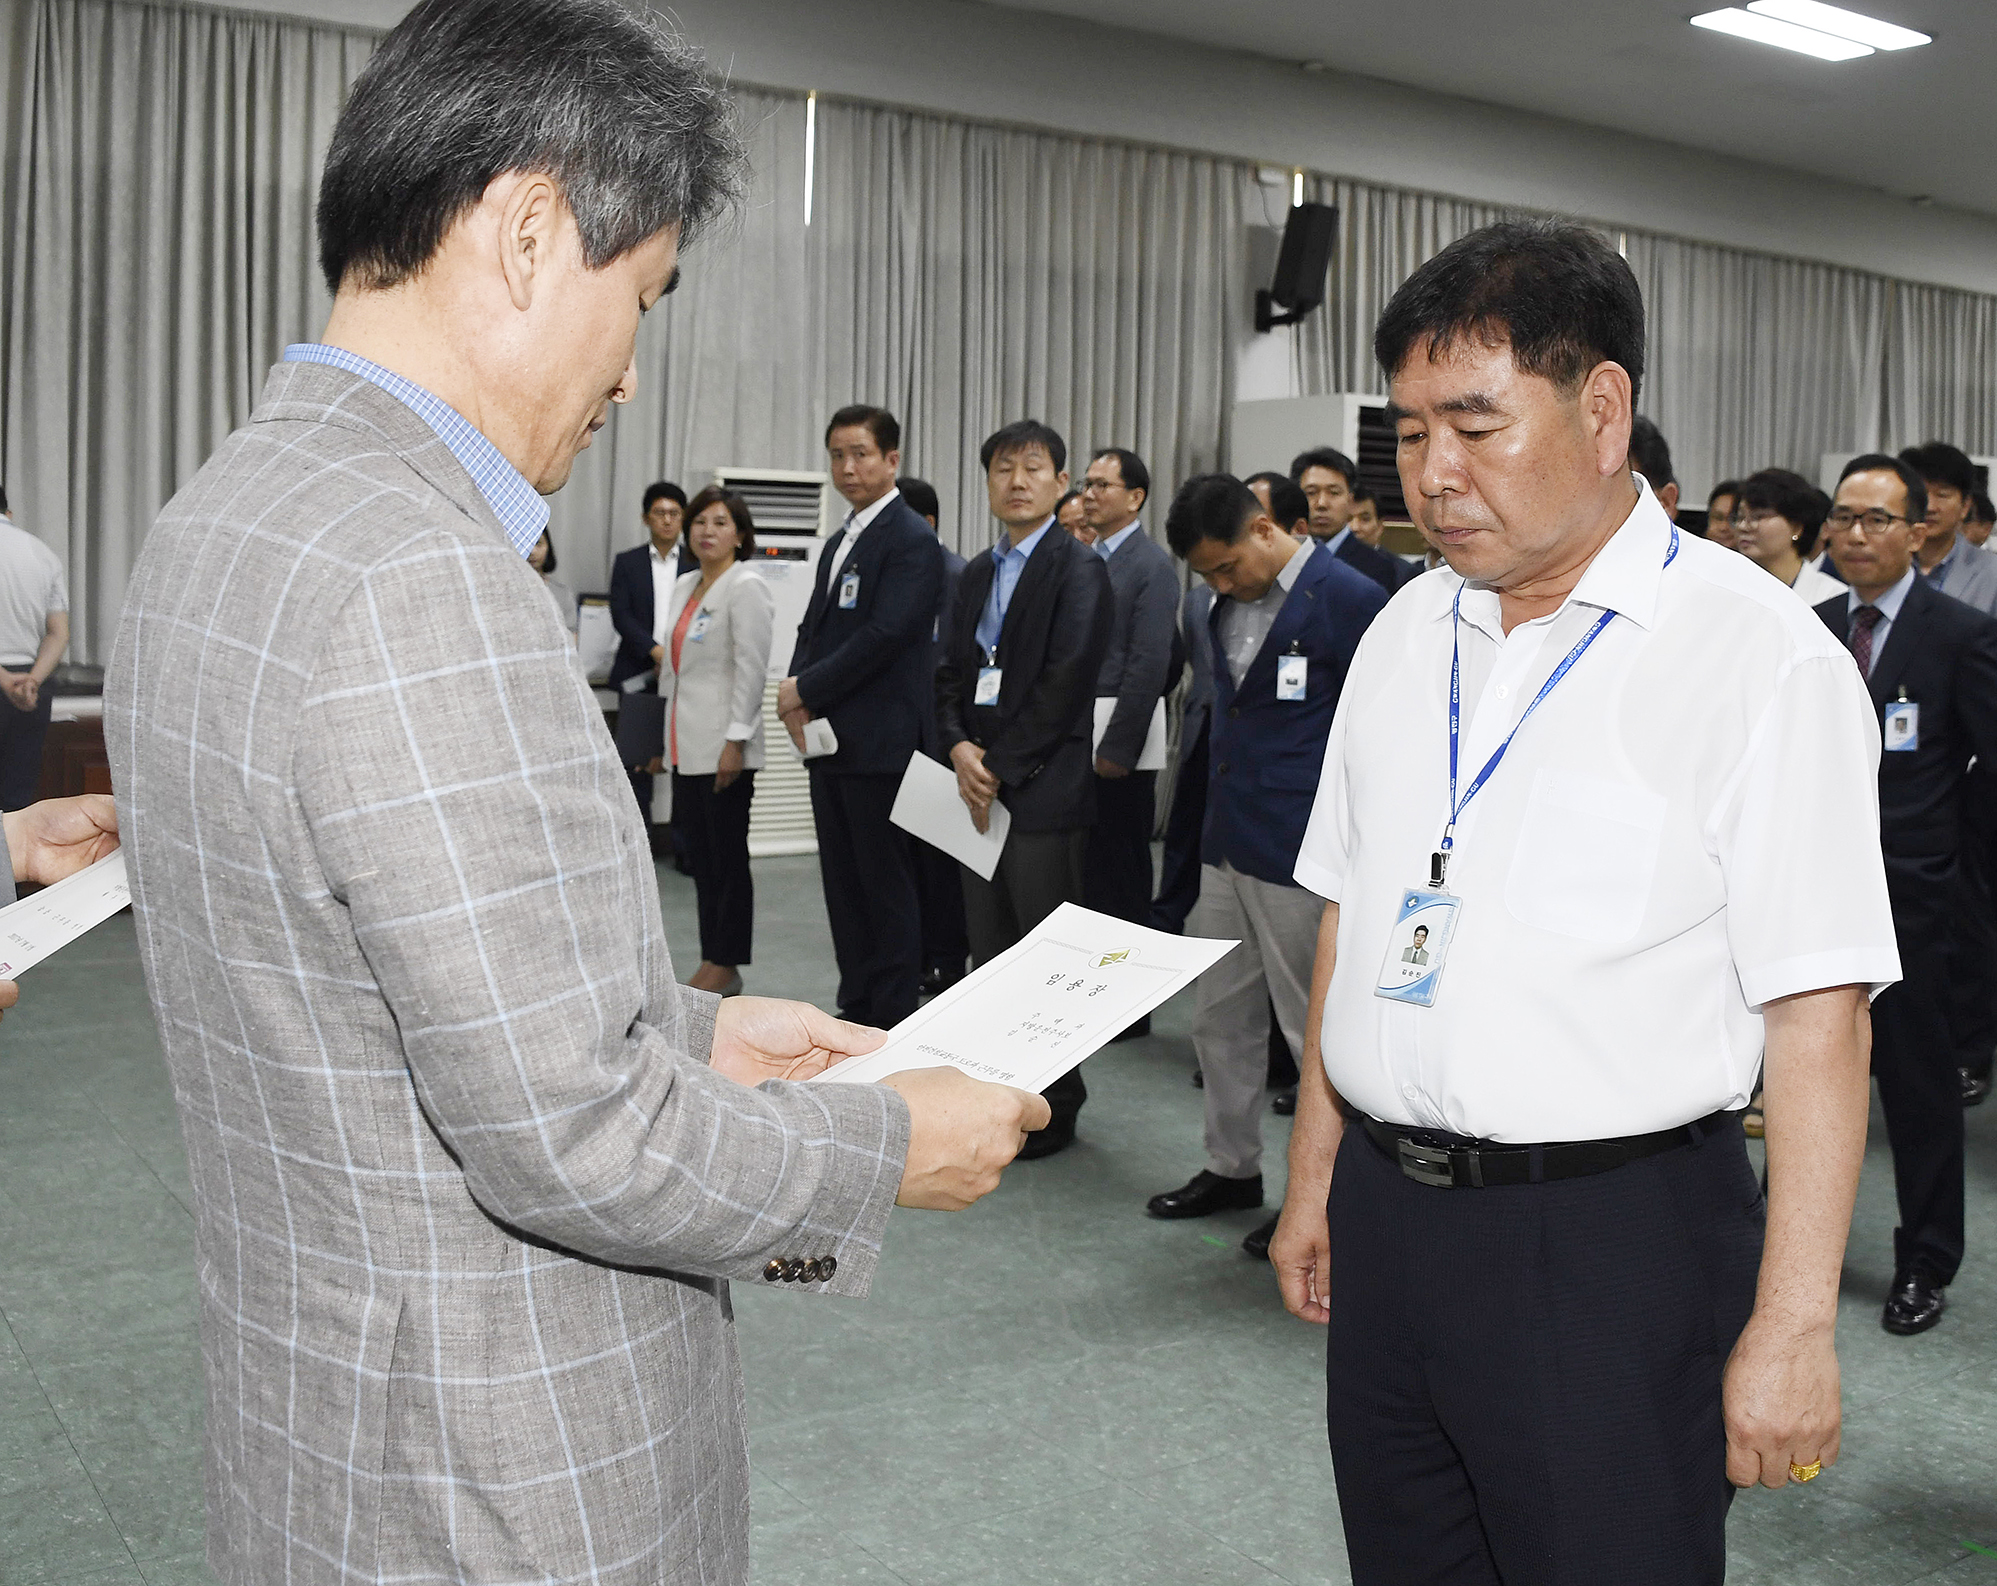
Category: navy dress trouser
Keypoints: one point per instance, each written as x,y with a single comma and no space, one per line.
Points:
1524,1382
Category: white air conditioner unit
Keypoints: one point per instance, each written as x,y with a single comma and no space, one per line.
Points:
1268,433
795,511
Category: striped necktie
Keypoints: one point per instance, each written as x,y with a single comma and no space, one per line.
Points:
1863,621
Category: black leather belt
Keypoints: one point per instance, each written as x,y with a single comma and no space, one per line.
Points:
1449,1161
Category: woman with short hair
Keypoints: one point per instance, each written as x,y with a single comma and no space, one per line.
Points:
1776,520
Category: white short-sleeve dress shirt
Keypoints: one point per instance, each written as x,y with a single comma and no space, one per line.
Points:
1686,829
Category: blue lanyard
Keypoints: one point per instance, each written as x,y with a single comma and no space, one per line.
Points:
1439,860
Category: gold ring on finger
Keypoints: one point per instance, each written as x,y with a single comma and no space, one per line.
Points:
1809,1472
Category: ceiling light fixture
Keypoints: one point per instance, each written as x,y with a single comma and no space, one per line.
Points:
1840,23
1783,35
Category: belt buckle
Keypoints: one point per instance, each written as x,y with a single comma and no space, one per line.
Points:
1426,1164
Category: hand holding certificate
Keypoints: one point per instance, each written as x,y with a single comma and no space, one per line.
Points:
1040,1007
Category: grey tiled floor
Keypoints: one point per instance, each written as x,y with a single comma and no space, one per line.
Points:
1049,1387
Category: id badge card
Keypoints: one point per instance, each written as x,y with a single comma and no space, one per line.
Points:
1293,675
1418,945
989,678
697,629
1902,731
849,591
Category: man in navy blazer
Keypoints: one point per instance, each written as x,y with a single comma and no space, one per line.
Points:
1330,482
639,579
1286,620
1930,663
863,663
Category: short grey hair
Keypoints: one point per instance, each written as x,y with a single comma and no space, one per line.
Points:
607,100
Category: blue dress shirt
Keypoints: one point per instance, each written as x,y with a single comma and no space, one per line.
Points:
1108,548
1011,562
521,511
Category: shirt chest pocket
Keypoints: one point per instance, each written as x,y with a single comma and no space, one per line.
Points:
1586,857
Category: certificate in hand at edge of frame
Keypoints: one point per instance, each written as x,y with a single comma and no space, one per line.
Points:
1053,998
927,805
35,927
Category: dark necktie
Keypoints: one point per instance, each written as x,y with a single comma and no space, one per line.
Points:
1863,621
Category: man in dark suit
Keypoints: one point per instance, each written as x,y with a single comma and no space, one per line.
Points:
1930,664
1286,620
1328,479
1144,661
945,947
863,662
1014,703
640,581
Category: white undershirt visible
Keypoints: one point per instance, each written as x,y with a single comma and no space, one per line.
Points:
855,526
1686,829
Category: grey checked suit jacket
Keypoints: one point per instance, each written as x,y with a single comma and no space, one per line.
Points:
466,1193
1137,671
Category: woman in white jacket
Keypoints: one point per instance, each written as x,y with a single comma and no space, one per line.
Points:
1776,521
717,658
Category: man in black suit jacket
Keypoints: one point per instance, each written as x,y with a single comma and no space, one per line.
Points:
1931,666
636,576
1144,660
1027,632
1328,479
945,947
863,663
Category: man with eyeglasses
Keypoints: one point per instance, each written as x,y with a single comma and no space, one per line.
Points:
1144,660
1930,664
1945,556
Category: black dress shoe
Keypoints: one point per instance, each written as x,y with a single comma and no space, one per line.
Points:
1975,1087
1133,1032
1285,1104
1257,1243
1915,1305
1206,1194
1057,1136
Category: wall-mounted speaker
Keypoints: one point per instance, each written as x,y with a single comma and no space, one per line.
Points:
1302,267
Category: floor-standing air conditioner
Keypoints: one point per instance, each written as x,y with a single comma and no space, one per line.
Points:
795,510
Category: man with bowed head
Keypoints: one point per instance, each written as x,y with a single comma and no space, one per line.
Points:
1519,1194
471,1172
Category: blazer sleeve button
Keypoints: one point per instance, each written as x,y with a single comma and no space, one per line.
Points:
774,1270
827,1265
810,1274
793,1270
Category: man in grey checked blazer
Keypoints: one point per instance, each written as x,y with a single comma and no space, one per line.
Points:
471,1170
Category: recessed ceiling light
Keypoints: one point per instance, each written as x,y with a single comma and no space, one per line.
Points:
1840,23
1784,35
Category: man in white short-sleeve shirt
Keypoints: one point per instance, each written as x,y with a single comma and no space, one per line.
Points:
1540,1257
34,631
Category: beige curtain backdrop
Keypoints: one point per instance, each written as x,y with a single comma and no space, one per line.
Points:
156,190
159,254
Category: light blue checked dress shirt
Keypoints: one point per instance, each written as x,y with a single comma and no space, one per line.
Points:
1011,560
518,506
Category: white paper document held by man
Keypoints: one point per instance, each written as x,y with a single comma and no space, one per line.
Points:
55,916
1044,1004
1152,756
928,805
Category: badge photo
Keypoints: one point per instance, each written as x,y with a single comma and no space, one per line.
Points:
1293,675
697,630
989,679
849,591
1900,733
1417,946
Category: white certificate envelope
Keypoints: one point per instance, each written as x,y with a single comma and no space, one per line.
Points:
1152,756
55,916
1039,1008
928,806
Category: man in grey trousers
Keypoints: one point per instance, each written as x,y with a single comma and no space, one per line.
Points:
471,1170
